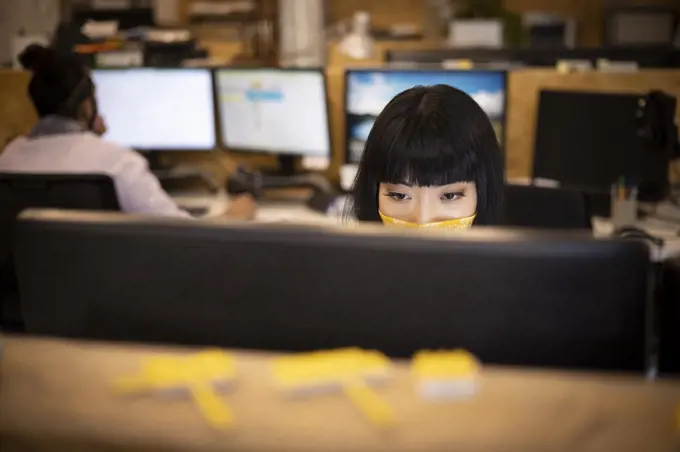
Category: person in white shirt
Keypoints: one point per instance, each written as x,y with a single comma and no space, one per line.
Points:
66,139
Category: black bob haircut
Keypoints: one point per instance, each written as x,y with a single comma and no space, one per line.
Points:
430,136
60,83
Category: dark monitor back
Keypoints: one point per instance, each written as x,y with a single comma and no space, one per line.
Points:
509,296
589,141
545,208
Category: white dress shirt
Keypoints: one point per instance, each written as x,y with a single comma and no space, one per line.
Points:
137,188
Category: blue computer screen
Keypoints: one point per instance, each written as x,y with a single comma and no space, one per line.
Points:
368,92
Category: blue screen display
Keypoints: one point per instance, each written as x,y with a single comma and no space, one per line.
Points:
368,92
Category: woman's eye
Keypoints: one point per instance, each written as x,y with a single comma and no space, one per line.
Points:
453,196
397,196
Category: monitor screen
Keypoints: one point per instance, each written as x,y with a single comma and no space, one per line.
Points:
274,110
157,109
589,141
369,91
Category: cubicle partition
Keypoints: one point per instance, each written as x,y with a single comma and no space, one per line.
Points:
510,296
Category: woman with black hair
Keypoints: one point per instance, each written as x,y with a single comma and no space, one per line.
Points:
66,139
432,160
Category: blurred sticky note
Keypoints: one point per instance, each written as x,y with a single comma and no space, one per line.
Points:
445,374
197,374
347,370
374,407
329,369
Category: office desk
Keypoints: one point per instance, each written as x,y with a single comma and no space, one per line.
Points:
269,211
602,227
215,205
292,211
54,395
296,211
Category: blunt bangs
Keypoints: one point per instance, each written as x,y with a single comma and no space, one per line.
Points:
422,158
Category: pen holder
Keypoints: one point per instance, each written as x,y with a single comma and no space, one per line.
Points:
623,212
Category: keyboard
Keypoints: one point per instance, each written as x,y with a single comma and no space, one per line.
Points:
197,211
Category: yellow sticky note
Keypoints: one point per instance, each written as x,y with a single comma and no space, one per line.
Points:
445,374
329,368
445,364
212,407
374,407
348,370
196,373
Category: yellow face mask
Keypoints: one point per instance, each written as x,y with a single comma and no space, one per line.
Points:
456,223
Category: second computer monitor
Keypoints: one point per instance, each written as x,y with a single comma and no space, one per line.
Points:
272,110
157,109
367,92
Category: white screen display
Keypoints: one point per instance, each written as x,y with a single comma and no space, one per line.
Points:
274,110
157,109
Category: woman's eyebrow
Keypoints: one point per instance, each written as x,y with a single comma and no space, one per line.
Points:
401,182
457,185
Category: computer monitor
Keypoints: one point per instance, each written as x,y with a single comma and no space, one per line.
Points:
589,141
367,92
500,293
151,109
277,111
636,25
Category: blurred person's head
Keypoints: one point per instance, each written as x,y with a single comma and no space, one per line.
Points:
61,86
432,159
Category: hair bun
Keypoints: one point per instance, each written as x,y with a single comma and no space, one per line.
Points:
35,57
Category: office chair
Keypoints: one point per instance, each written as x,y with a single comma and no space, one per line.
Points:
669,318
516,297
548,208
22,191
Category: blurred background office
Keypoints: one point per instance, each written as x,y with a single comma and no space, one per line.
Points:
276,98
580,45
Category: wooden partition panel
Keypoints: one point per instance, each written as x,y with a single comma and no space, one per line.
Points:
17,115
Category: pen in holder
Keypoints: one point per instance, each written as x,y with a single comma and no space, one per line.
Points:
623,205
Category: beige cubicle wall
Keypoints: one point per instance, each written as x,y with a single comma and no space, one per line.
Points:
16,112
17,115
